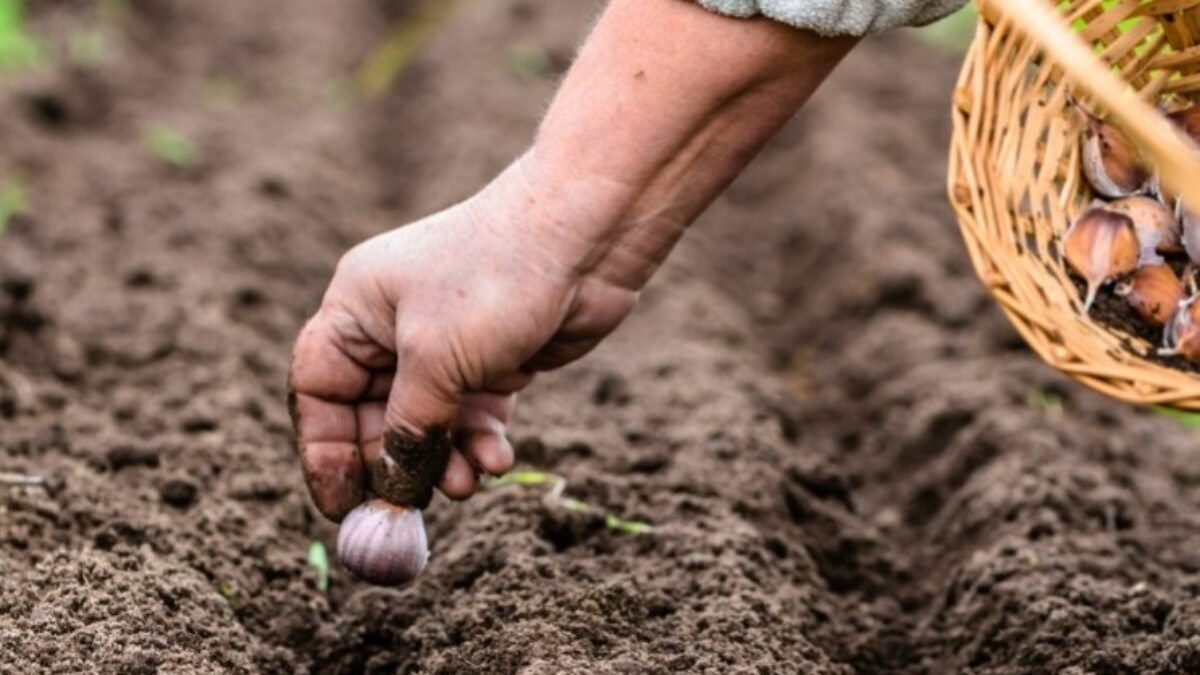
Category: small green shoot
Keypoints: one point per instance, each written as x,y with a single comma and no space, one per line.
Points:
89,46
113,11
525,477
529,62
171,146
575,505
1189,420
318,557
339,94
627,526
555,497
385,64
223,91
227,589
953,33
14,200
19,49
1045,401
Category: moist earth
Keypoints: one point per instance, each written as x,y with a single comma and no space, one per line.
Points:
850,461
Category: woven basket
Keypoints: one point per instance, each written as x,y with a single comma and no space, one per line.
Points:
1015,180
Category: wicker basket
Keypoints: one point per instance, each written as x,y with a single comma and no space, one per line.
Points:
1015,179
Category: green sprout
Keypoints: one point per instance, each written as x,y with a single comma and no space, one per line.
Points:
338,94
388,60
1189,420
529,62
1045,401
227,589
14,200
525,477
171,146
318,557
89,46
627,526
529,478
19,49
113,11
223,91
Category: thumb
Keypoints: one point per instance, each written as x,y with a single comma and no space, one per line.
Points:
417,446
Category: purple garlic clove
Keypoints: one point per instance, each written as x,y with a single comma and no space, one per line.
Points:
383,544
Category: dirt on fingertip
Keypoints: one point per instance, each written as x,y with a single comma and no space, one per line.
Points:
847,460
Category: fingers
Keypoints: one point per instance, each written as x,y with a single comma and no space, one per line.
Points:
334,474
491,453
420,412
460,479
324,383
479,431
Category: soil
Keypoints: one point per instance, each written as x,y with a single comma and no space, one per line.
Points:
851,462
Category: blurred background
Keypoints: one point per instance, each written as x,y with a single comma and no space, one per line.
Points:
816,446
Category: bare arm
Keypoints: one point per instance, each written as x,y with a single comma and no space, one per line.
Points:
428,331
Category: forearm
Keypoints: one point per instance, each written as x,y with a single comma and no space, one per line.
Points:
665,105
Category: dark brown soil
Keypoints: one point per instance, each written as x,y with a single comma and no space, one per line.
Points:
852,463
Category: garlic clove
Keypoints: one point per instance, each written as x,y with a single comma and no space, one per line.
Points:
1182,337
1110,161
1191,234
1158,229
383,544
1188,120
1101,246
1154,292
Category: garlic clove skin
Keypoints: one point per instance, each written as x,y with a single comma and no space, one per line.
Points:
1188,120
1101,246
1158,229
1110,162
383,544
1155,293
1191,234
1182,337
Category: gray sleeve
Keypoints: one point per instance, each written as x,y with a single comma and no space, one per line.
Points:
840,17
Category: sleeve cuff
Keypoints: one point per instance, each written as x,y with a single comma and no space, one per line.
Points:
839,17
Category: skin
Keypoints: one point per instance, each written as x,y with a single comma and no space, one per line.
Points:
440,323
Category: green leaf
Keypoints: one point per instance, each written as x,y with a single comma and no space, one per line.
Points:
319,559
171,146
18,48
391,57
223,91
575,505
1045,401
89,46
627,526
525,477
14,199
1189,420
529,62
339,94
227,589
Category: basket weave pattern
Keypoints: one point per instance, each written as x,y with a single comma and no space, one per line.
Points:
1015,179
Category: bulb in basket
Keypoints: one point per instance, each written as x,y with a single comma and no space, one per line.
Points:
1101,246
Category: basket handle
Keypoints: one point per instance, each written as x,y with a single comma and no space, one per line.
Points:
1176,157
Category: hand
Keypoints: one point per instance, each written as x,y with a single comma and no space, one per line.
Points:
438,325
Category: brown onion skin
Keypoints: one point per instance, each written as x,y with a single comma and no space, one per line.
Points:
383,544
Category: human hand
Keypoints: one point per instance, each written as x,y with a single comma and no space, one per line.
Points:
431,329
